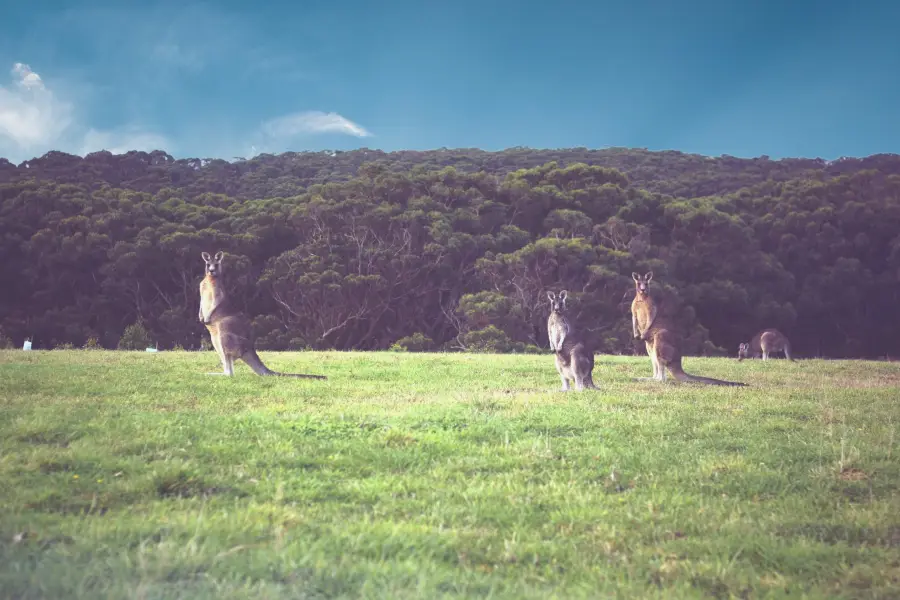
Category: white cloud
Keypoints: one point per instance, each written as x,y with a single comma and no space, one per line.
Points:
39,114
28,78
120,141
312,122
34,120
31,116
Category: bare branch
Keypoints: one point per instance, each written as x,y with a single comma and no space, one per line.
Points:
277,297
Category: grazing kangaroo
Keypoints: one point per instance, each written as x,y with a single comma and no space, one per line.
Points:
658,333
228,327
575,362
765,343
557,323
574,358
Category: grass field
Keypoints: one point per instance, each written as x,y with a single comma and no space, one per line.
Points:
134,475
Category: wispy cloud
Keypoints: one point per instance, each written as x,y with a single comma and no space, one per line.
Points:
31,116
28,79
141,82
35,119
310,123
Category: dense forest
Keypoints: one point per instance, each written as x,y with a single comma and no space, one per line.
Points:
453,249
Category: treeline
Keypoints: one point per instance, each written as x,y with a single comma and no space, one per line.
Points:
367,250
289,174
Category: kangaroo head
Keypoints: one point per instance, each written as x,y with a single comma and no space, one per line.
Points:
642,282
214,264
743,351
557,303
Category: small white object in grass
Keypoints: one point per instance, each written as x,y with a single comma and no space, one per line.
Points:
151,349
26,345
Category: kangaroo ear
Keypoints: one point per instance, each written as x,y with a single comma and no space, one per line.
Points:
205,256
649,275
219,255
635,276
563,295
551,295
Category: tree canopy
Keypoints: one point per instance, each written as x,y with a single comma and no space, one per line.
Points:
454,249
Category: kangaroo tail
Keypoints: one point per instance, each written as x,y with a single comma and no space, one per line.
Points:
253,361
680,375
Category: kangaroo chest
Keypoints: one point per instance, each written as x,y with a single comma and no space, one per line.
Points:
211,294
642,310
558,321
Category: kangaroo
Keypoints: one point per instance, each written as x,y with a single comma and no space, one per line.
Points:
575,362
574,359
765,343
658,333
228,327
557,323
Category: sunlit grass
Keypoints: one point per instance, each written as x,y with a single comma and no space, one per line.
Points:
444,475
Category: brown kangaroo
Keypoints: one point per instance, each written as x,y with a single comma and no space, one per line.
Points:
765,343
658,332
228,327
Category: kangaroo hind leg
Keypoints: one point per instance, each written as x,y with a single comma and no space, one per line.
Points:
652,355
220,352
654,366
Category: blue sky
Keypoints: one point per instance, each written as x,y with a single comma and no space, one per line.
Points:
226,79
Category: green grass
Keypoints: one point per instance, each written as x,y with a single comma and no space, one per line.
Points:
133,475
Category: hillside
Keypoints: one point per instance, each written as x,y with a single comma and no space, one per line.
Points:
453,249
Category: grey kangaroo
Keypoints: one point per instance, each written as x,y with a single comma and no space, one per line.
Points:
574,359
228,327
557,323
765,343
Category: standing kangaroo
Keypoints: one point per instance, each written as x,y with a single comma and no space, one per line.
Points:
574,359
658,333
765,343
228,327
557,323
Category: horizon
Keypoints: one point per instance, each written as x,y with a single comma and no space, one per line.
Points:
198,80
456,149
